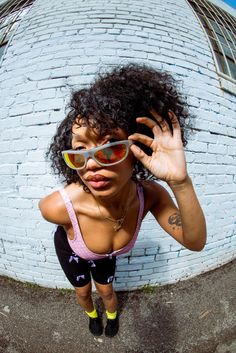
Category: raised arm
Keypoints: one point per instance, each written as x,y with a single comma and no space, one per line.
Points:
167,162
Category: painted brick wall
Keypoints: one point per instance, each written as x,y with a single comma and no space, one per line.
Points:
61,45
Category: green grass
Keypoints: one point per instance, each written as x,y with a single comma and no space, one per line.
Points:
149,289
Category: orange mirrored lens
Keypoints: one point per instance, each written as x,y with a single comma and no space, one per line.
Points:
76,160
111,154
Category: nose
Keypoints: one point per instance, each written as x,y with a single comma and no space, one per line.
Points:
91,163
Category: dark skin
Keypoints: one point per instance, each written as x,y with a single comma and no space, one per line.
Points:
184,222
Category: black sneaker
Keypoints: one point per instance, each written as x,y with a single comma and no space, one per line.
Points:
112,327
95,326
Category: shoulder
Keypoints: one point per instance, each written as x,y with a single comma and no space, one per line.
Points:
52,206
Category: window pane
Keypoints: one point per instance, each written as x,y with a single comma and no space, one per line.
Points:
204,21
221,63
222,39
215,45
232,68
228,52
217,28
2,48
230,37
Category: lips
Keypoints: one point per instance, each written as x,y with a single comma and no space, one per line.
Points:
97,181
97,177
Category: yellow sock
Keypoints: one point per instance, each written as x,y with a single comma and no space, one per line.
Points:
111,316
93,314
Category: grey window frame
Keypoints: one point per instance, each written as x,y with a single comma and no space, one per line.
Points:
220,29
11,12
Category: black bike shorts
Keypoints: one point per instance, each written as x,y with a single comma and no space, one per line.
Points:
78,270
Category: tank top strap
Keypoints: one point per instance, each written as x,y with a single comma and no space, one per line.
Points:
70,210
65,196
141,200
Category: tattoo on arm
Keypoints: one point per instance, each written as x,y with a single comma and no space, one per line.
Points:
175,220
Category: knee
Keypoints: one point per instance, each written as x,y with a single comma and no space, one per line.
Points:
83,294
106,294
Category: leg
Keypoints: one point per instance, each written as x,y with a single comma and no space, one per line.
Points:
103,272
108,296
84,298
77,271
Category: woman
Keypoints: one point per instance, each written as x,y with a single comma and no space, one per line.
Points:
124,130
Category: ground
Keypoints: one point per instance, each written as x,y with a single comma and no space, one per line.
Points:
193,316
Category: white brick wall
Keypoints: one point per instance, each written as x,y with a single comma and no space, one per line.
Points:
61,45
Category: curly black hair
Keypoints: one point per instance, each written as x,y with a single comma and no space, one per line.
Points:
114,100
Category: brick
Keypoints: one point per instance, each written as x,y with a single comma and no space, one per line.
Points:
196,146
31,192
205,136
48,104
36,156
8,169
122,274
35,119
37,76
21,109
151,251
141,273
128,279
141,260
32,168
12,134
122,260
129,267
217,149
53,83
138,252
22,145
26,87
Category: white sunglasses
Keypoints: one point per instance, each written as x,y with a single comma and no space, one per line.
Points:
105,155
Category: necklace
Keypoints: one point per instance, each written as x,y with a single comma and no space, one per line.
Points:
118,222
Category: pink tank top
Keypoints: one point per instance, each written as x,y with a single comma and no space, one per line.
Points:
78,245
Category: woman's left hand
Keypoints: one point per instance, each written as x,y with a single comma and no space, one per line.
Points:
167,161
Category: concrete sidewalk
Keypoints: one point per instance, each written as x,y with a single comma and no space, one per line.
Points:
193,316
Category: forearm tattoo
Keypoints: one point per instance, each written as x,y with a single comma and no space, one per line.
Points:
175,220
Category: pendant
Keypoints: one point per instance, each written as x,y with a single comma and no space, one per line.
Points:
118,224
